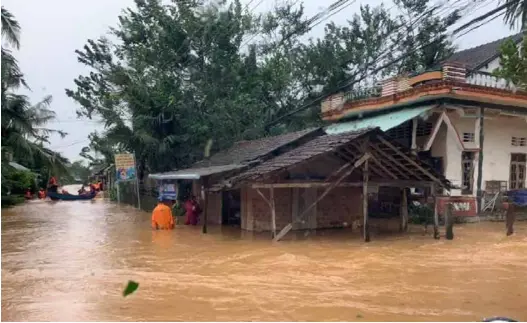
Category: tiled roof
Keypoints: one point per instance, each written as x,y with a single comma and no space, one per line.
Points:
313,148
417,169
480,55
245,151
239,156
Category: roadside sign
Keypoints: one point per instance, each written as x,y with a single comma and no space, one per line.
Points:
125,167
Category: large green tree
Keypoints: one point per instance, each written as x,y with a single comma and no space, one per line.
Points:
178,74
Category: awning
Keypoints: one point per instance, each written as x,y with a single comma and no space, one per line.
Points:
385,121
195,173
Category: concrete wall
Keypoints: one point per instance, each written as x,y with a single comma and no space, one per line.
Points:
497,148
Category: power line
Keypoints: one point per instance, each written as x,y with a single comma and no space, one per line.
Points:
350,83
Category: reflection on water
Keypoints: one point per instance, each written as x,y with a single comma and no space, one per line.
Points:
71,260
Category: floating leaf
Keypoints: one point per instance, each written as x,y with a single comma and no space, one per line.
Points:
130,288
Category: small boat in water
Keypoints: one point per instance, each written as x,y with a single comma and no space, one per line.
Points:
70,197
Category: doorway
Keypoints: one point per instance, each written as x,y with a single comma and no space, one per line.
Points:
231,208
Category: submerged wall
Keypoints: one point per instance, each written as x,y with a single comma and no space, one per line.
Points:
340,207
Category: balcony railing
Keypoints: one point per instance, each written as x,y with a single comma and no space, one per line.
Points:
489,80
448,72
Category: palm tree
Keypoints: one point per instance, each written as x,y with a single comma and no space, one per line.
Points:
10,29
516,12
23,124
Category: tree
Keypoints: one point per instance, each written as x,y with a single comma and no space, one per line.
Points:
23,125
184,72
516,13
513,63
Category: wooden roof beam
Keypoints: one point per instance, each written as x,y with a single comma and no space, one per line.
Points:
395,161
408,159
383,172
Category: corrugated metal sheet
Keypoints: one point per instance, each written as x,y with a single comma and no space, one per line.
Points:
17,166
195,173
384,122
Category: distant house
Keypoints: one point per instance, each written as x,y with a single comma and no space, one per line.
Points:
473,124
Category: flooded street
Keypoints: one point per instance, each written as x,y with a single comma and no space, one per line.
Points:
71,260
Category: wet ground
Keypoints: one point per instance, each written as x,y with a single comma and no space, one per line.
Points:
64,261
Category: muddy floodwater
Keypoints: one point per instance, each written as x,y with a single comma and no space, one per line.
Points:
65,261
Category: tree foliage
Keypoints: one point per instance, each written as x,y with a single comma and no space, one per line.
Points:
513,63
24,130
175,75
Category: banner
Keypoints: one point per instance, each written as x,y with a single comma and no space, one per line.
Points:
125,167
168,191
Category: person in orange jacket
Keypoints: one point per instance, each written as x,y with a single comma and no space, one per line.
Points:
162,218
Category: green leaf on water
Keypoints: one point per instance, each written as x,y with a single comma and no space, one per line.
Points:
130,288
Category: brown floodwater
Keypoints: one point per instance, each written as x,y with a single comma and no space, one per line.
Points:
70,261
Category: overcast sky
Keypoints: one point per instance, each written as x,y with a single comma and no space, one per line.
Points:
53,29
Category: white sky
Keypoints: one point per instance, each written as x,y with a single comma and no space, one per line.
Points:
52,30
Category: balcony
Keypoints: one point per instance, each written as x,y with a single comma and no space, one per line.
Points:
449,76
488,80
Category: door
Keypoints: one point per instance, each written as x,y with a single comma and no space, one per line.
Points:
517,171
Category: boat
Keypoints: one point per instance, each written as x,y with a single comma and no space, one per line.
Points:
69,197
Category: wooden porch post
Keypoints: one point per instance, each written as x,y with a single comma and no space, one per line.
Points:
414,136
205,204
366,226
480,158
436,217
404,210
449,222
273,211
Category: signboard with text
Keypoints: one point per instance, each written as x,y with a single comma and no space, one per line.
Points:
461,205
125,167
168,191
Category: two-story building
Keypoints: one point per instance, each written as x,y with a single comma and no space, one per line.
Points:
473,124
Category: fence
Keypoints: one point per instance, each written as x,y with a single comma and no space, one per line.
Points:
147,195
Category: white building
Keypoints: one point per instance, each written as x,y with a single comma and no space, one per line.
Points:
459,115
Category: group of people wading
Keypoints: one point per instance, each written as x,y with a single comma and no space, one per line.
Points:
163,219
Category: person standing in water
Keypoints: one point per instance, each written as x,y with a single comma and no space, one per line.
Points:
162,215
192,210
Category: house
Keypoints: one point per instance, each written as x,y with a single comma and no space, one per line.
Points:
308,180
242,155
471,123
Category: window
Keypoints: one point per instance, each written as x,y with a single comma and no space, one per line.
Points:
517,171
467,165
519,141
468,137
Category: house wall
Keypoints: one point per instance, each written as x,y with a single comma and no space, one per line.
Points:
497,147
491,66
341,206
214,208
